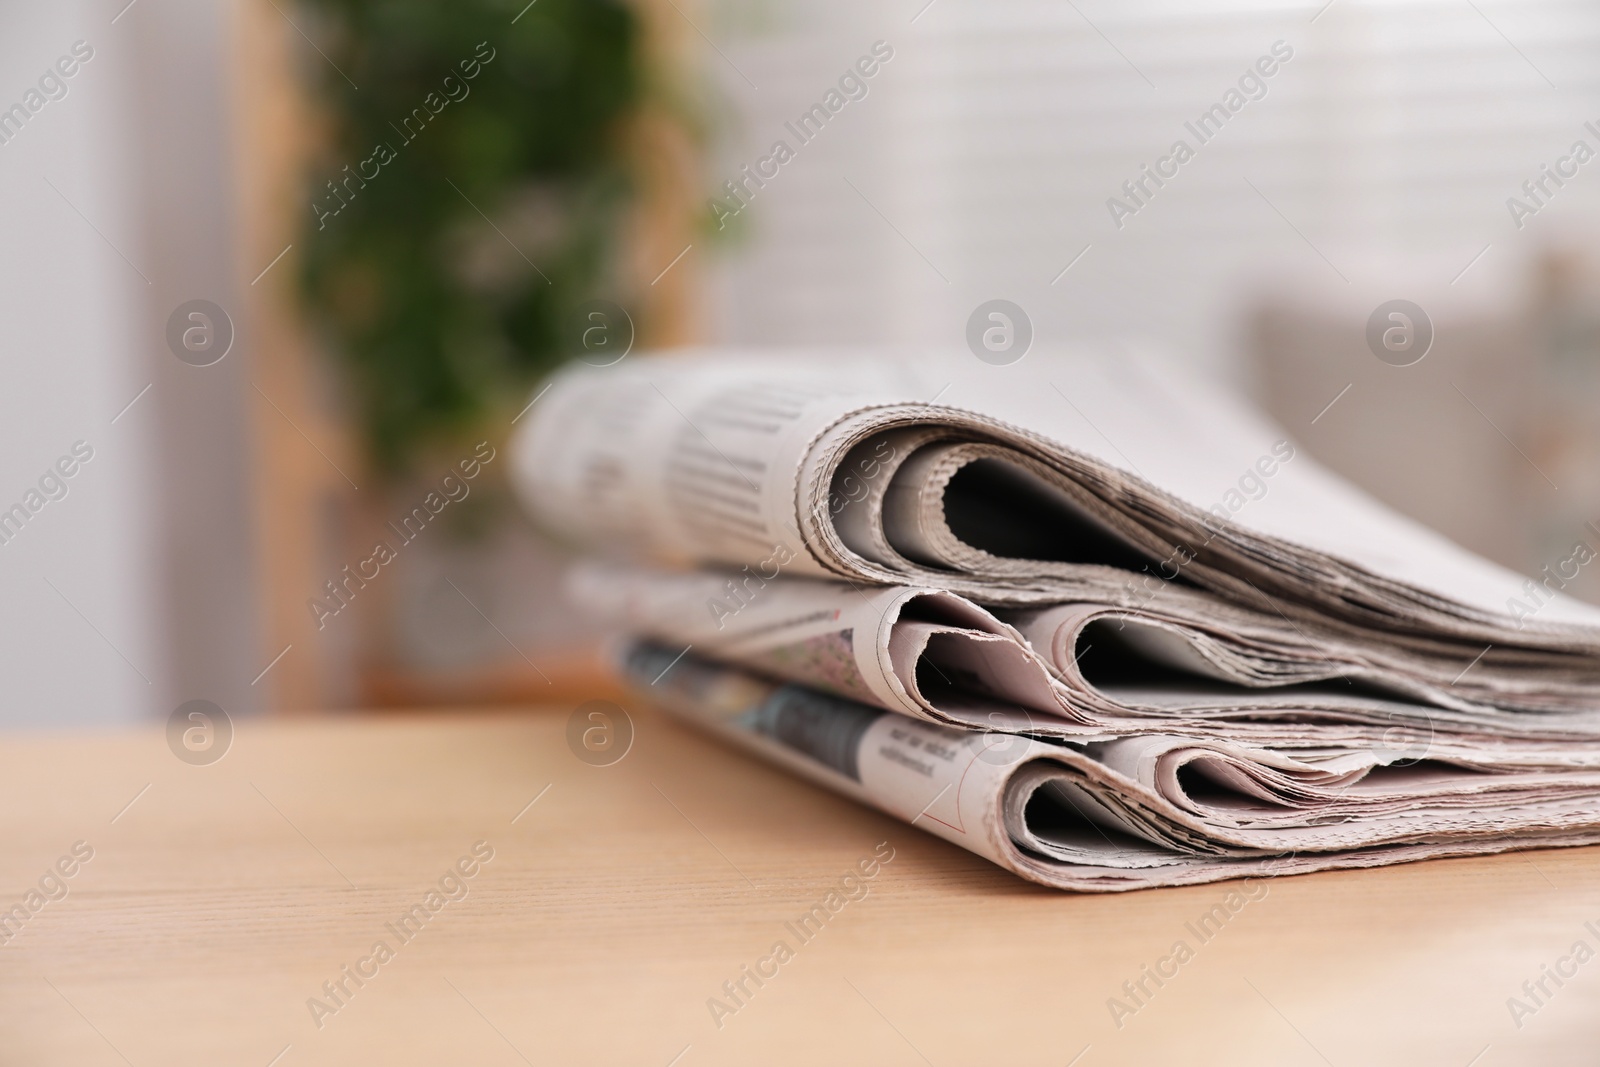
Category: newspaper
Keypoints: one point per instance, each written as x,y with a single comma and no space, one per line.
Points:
1006,491
1141,812
1079,671
1219,657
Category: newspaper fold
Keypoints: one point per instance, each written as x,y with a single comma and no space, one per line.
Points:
1072,671
1141,812
1009,494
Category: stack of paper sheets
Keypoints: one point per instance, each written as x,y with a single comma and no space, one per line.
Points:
1083,617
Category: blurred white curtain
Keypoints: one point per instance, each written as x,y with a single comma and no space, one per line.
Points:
980,164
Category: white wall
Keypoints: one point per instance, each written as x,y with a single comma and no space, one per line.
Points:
152,544
69,361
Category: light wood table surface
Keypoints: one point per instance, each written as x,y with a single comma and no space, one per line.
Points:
224,896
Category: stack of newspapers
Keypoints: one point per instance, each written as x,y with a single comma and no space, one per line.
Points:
1080,615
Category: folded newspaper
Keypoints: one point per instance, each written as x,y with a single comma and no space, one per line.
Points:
1087,619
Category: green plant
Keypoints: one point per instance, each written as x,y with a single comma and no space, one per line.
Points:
456,218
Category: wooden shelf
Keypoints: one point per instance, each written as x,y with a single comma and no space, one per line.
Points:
311,518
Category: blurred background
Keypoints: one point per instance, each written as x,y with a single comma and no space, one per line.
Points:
274,267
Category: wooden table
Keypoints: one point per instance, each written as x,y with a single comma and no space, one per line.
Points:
221,898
